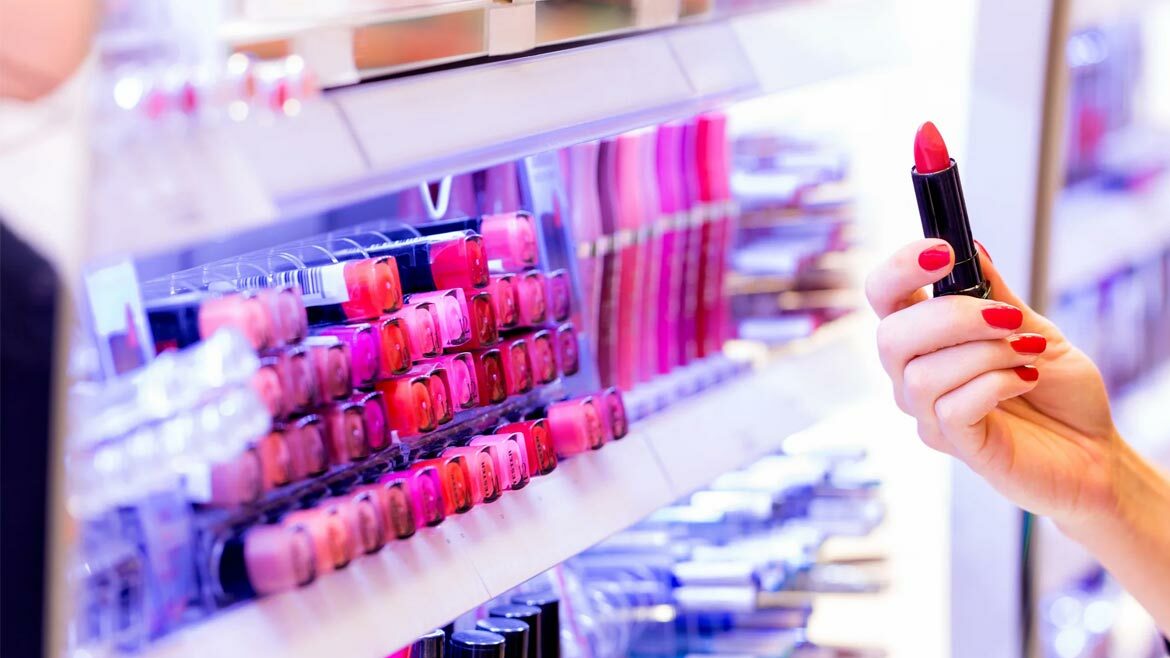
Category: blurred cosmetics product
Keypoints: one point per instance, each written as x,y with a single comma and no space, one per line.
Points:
339,292
550,620
183,320
334,542
263,560
454,319
275,460
585,217
409,403
504,292
517,366
424,486
514,632
531,298
422,326
559,295
509,455
630,213
431,645
475,644
345,432
672,220
485,328
363,515
396,510
509,238
542,356
461,377
425,263
309,453
454,479
393,345
490,376
331,361
568,350
484,482
609,278
540,450
613,409
364,347
528,615
374,421
575,426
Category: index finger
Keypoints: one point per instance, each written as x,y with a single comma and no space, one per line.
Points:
898,282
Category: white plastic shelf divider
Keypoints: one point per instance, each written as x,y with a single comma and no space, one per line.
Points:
384,601
357,142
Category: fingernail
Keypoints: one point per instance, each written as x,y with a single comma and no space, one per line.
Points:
1027,373
1029,344
934,258
983,249
1004,317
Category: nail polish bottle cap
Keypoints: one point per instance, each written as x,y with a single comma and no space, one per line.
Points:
550,620
514,632
429,645
475,644
529,615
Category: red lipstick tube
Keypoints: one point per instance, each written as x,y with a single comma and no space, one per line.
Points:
408,403
510,457
490,376
943,212
540,453
483,485
454,321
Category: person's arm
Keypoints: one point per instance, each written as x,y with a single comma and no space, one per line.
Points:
996,385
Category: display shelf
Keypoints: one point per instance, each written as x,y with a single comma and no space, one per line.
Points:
357,142
1143,417
1099,232
384,601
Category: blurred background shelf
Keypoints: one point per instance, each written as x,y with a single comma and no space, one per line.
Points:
360,141
388,599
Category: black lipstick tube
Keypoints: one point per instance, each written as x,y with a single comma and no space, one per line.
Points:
944,215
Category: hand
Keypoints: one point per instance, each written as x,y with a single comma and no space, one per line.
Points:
996,385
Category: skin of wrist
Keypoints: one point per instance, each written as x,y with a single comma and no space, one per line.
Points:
1133,492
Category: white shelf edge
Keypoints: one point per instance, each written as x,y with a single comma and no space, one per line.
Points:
384,601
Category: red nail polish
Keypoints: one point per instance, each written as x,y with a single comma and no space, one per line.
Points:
934,258
1004,317
1027,373
1029,344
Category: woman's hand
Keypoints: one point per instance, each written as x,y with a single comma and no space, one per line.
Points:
996,385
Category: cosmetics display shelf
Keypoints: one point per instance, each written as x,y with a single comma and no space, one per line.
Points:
444,571
1102,232
1143,417
364,140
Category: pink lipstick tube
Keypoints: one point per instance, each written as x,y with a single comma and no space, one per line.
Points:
575,426
540,453
395,507
460,369
632,258
510,241
510,457
364,351
483,485
308,453
714,192
568,350
421,323
650,252
506,300
331,361
334,545
424,488
610,264
531,298
451,305
585,215
672,214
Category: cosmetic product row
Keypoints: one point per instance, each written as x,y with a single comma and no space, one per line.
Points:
524,624
790,269
653,217
1122,321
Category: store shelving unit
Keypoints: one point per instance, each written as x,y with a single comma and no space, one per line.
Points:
388,599
356,142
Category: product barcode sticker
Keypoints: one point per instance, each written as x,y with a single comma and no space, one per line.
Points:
318,285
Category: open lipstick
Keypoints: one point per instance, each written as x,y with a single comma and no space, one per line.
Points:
944,213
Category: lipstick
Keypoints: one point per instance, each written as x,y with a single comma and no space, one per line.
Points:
454,320
540,453
944,213
508,238
428,262
340,292
424,488
421,323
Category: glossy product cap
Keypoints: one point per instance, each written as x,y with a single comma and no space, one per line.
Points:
532,298
308,453
560,300
510,240
550,620
483,485
424,486
514,632
345,433
459,261
475,644
421,323
568,350
374,420
576,426
395,345
430,645
529,615
266,559
614,411
505,297
490,376
485,328
409,407
541,454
